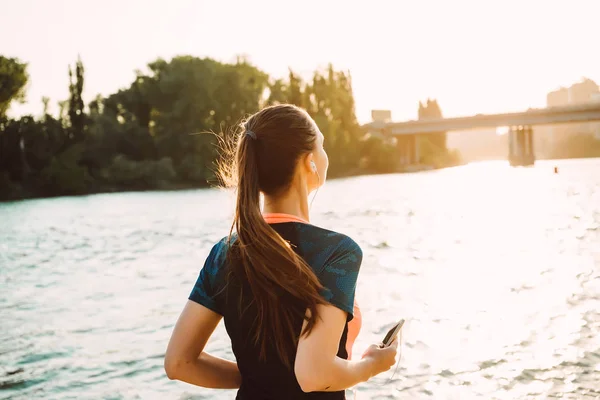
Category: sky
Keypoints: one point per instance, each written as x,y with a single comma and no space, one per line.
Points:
473,56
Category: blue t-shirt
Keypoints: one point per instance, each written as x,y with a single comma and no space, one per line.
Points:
335,258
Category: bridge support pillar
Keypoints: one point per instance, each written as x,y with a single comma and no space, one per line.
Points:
408,150
520,146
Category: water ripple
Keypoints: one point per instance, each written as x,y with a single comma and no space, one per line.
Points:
496,269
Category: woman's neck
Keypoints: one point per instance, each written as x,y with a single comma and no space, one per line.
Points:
293,202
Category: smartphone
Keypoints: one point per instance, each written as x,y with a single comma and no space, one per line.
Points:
392,333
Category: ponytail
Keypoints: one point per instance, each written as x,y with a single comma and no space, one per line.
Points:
275,274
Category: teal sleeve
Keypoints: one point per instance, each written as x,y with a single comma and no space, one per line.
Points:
340,274
208,283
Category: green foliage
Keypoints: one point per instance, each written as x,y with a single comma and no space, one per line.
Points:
195,168
190,95
9,190
199,164
11,157
435,143
43,139
278,92
155,133
64,175
76,113
433,156
328,98
378,156
139,175
13,78
577,146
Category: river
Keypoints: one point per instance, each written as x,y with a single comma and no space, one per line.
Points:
496,269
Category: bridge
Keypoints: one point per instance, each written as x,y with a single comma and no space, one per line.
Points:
520,128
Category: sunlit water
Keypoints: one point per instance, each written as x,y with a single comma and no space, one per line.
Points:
497,270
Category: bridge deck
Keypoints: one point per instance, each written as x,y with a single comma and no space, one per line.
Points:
543,116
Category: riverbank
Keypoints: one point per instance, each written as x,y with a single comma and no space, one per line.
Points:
22,193
10,191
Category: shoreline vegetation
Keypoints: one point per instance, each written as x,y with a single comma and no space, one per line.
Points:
20,194
164,131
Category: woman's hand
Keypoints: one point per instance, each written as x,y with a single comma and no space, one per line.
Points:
381,358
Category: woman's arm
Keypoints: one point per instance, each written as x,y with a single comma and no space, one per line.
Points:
185,360
317,366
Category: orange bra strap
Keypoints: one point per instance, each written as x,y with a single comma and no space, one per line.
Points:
274,218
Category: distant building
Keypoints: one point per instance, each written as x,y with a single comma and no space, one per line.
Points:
379,118
583,92
559,97
578,93
381,115
596,99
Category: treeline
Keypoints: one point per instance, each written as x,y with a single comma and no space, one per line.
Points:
156,133
433,146
578,145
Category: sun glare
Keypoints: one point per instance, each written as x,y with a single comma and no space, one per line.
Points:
502,130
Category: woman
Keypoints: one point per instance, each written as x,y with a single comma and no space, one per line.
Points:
284,287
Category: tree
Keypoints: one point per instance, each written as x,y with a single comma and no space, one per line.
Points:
76,113
295,90
11,160
437,140
156,132
278,92
13,78
330,101
46,103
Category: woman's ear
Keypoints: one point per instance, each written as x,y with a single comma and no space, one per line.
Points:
309,162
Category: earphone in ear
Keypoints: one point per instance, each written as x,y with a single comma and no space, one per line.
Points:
314,166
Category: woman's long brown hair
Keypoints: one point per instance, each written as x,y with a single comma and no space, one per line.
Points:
268,148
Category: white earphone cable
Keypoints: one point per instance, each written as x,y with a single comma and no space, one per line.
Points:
314,166
399,355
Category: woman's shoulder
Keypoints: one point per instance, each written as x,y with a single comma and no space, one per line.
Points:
329,251
336,242
337,261
218,253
